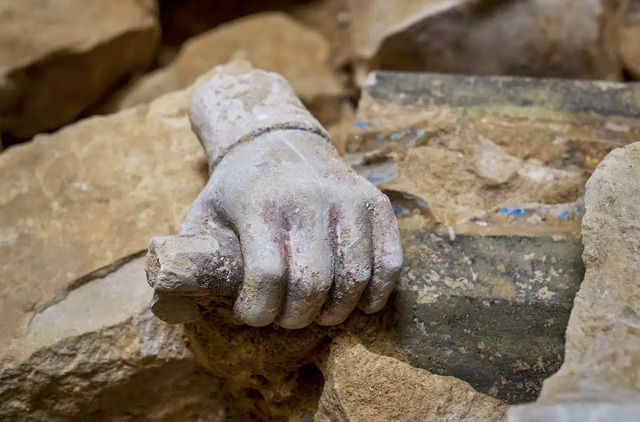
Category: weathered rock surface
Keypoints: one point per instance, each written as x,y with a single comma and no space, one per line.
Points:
332,19
58,58
270,41
89,195
188,18
602,360
78,340
364,386
568,38
439,137
603,337
488,259
629,37
272,372
99,354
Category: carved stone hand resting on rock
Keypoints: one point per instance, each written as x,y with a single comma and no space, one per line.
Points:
284,227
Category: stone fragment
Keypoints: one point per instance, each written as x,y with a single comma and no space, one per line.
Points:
602,359
629,39
272,373
331,18
364,386
490,271
78,339
270,41
188,18
567,38
90,195
99,354
493,164
58,58
603,341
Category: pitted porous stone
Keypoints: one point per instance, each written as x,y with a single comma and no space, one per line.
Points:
99,354
600,376
363,386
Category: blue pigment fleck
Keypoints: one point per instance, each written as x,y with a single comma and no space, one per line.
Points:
381,177
518,212
380,139
419,134
361,125
399,210
398,135
563,214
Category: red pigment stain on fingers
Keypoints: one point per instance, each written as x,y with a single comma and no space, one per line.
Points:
335,215
275,216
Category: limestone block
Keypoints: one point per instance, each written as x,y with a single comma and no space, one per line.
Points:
90,195
603,341
58,58
99,354
187,18
78,339
364,386
600,376
270,41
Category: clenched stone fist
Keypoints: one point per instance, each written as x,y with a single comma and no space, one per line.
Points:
284,226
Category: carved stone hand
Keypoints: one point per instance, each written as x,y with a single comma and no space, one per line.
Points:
284,227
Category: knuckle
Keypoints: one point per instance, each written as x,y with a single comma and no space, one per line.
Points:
382,200
374,306
310,284
392,263
266,268
356,276
253,315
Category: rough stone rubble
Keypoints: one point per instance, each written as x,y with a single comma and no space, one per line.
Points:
489,206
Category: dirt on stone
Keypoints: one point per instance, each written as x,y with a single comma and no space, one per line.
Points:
445,165
271,373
